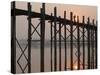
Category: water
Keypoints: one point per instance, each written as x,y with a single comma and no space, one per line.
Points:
35,56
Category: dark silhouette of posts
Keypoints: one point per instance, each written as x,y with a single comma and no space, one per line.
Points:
83,43
71,41
42,30
91,40
29,38
51,42
65,41
13,38
59,45
88,35
96,54
78,43
92,46
55,40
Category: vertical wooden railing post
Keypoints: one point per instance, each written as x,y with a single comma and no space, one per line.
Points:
78,43
65,40
29,38
51,42
42,30
88,35
13,38
71,41
59,45
92,44
96,54
55,39
83,44
91,47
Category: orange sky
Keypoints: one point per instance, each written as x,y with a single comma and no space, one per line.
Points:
80,10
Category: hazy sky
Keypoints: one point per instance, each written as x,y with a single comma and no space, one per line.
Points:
79,10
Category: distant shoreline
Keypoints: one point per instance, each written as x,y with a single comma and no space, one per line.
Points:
57,41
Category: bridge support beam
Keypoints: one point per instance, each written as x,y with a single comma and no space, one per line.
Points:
65,42
96,54
42,39
55,40
59,45
88,35
83,43
51,43
13,39
29,38
78,43
71,41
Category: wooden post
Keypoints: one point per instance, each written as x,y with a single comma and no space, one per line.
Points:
88,35
59,45
65,40
55,47
92,45
13,38
96,52
74,18
29,38
42,28
51,42
78,43
71,41
83,44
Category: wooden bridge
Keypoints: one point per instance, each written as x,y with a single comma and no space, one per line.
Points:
88,30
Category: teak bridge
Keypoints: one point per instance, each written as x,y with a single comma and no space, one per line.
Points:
84,30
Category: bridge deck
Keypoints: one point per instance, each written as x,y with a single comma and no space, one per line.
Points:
19,12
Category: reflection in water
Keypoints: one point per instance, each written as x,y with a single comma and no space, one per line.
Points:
35,56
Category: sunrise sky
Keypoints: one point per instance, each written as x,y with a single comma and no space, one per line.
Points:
78,10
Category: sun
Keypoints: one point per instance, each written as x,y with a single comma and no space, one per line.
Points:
75,67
